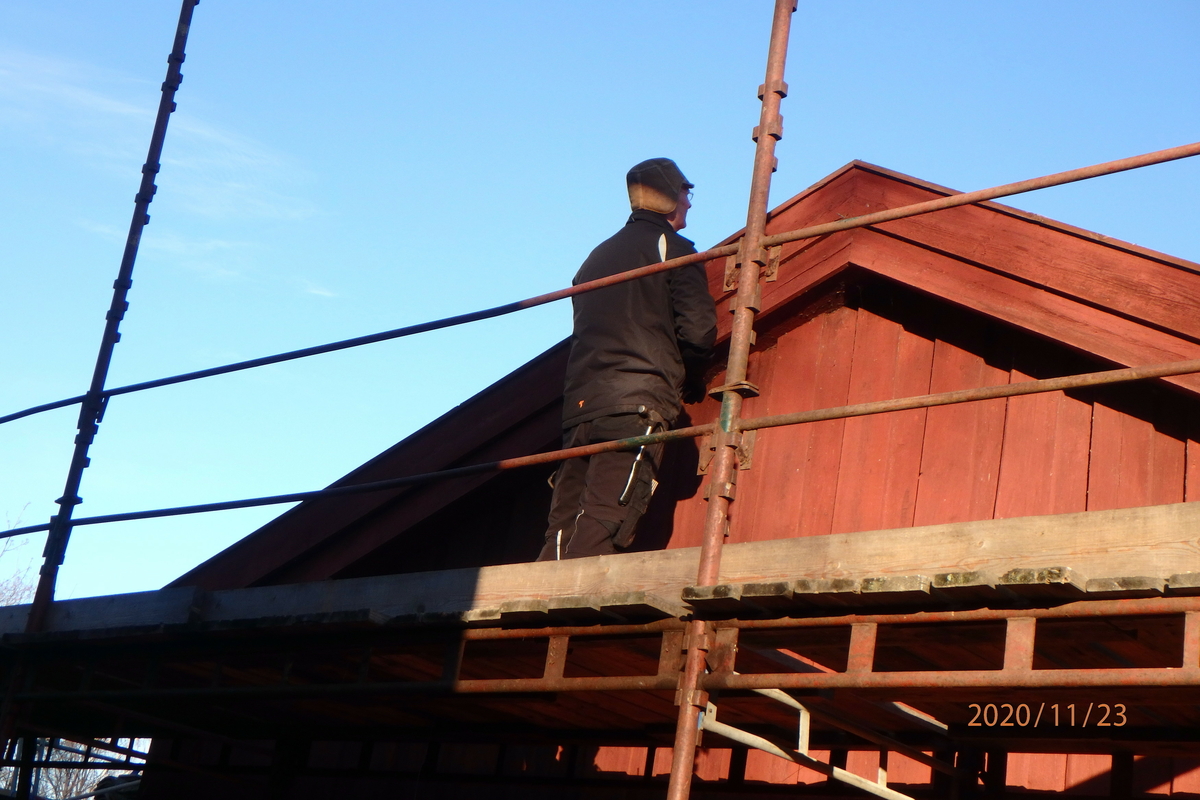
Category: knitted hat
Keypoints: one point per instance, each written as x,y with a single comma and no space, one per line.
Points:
654,185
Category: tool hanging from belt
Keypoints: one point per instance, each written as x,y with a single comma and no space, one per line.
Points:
627,493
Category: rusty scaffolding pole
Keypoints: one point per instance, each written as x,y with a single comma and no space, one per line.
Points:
94,402
752,258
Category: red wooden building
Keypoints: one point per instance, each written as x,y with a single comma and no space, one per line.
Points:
399,644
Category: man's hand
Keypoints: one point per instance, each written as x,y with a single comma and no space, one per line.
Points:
694,390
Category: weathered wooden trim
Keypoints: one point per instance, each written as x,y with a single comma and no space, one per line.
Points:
1148,543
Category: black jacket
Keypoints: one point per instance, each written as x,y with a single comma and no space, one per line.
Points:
634,344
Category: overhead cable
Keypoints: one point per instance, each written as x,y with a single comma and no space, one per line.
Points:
774,240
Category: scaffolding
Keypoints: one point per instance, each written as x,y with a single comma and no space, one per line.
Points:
686,650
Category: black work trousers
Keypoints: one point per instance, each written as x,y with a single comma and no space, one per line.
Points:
599,499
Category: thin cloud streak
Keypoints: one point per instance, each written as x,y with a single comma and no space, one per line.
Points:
78,108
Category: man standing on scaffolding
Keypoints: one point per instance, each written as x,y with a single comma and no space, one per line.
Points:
637,350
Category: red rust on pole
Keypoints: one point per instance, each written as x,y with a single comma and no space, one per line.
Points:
752,257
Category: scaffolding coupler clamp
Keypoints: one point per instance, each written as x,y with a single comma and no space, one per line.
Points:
703,641
743,441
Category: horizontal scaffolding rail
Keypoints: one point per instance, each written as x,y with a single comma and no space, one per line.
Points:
1015,666
810,232
1080,381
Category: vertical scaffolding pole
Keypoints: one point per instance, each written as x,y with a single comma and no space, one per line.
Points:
92,409
752,258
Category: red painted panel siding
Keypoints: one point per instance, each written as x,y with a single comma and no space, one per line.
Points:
801,466
881,455
1109,447
1047,437
960,463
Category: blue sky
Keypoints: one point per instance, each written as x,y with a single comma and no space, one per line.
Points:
334,171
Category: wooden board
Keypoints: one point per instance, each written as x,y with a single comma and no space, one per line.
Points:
1133,462
1047,439
1104,275
881,455
1148,541
790,491
438,445
960,462
1083,327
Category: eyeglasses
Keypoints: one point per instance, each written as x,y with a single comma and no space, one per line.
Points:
690,195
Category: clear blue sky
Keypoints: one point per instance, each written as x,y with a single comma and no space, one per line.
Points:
334,170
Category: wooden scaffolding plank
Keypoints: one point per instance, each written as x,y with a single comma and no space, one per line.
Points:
1145,542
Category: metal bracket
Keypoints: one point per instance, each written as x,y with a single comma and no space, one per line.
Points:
779,87
745,451
723,654
744,388
774,127
702,641
755,301
771,273
770,270
731,273
726,489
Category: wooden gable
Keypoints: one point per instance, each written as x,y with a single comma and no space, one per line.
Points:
963,298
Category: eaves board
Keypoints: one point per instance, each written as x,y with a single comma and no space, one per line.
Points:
448,441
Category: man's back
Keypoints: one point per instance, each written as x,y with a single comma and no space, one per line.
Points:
637,349
633,341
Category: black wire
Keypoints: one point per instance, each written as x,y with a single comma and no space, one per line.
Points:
357,488
253,502
344,344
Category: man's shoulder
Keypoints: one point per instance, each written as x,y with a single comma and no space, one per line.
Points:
637,238
642,231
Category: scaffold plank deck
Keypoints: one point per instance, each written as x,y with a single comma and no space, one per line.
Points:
1061,557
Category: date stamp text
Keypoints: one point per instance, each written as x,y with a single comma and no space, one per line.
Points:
1048,715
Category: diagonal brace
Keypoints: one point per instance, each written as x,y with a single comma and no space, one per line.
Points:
709,722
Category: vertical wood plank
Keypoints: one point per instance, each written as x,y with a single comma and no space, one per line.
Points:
771,456
617,761
863,763
1044,467
881,454
904,770
1134,461
1168,448
765,768
1104,466
1038,771
797,465
712,763
1088,774
1187,775
1152,775
1191,480
960,462
814,485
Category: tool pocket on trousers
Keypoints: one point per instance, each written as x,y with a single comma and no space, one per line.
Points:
639,501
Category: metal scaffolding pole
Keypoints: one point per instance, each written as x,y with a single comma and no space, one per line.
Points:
94,401
752,257
808,232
